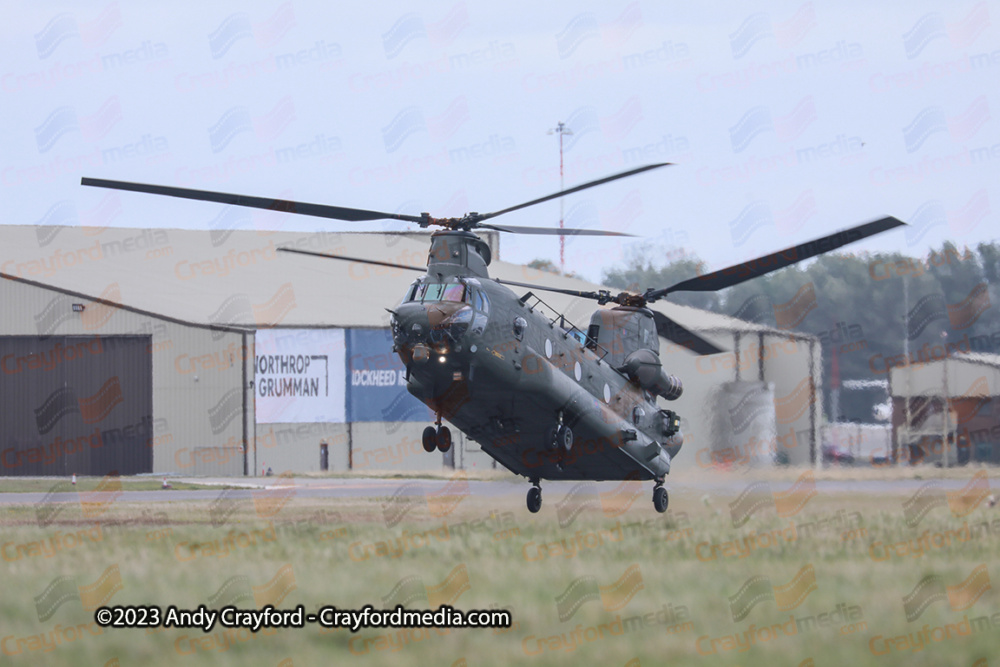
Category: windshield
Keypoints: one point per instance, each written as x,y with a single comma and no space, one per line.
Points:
430,292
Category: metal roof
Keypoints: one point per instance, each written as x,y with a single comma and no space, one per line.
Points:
972,374
237,277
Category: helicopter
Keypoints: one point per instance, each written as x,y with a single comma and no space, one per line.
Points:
545,399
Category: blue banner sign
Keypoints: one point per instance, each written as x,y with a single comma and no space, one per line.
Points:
376,381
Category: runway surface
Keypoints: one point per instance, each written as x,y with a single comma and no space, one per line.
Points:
372,487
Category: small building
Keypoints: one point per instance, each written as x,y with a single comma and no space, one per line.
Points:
946,409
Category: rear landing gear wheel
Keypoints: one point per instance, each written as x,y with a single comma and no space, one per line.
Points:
429,439
564,438
534,499
550,439
660,499
443,438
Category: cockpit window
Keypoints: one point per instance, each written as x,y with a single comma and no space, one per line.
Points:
482,302
453,293
433,292
429,292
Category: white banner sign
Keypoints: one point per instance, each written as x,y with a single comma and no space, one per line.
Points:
299,376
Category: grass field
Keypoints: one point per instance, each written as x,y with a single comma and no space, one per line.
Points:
785,574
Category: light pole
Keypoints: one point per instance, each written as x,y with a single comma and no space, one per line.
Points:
946,409
909,365
561,129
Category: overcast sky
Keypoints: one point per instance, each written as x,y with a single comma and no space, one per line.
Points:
786,120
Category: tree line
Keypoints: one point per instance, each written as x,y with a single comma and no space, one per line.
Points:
862,306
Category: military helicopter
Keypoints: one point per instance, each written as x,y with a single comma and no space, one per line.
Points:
543,398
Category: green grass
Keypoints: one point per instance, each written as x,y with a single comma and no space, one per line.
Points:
499,546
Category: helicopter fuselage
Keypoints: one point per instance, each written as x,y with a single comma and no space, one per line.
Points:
507,375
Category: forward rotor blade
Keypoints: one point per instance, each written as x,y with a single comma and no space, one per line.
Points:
550,231
734,275
421,269
600,181
675,333
568,292
283,205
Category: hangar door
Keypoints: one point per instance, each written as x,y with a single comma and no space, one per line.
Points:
76,404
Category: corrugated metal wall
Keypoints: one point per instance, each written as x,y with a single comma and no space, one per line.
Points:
75,404
202,409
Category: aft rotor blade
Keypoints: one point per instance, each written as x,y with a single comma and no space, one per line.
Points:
578,188
551,231
283,205
734,275
421,269
675,333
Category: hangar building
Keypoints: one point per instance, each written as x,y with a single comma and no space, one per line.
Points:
211,353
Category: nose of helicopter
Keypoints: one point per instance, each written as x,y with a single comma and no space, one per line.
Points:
422,328
410,324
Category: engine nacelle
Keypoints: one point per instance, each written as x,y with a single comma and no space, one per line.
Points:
644,368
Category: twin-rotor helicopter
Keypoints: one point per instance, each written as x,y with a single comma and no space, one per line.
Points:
546,400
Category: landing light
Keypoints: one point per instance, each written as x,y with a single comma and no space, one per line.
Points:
442,358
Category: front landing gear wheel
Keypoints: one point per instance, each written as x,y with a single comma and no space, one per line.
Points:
429,439
534,499
444,438
660,499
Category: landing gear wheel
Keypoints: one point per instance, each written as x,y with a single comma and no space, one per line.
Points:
564,438
534,499
660,499
550,439
444,438
429,439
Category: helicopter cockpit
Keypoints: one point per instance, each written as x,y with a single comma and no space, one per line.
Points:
426,292
452,308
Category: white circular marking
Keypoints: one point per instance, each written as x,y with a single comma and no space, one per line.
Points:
577,371
548,348
607,393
